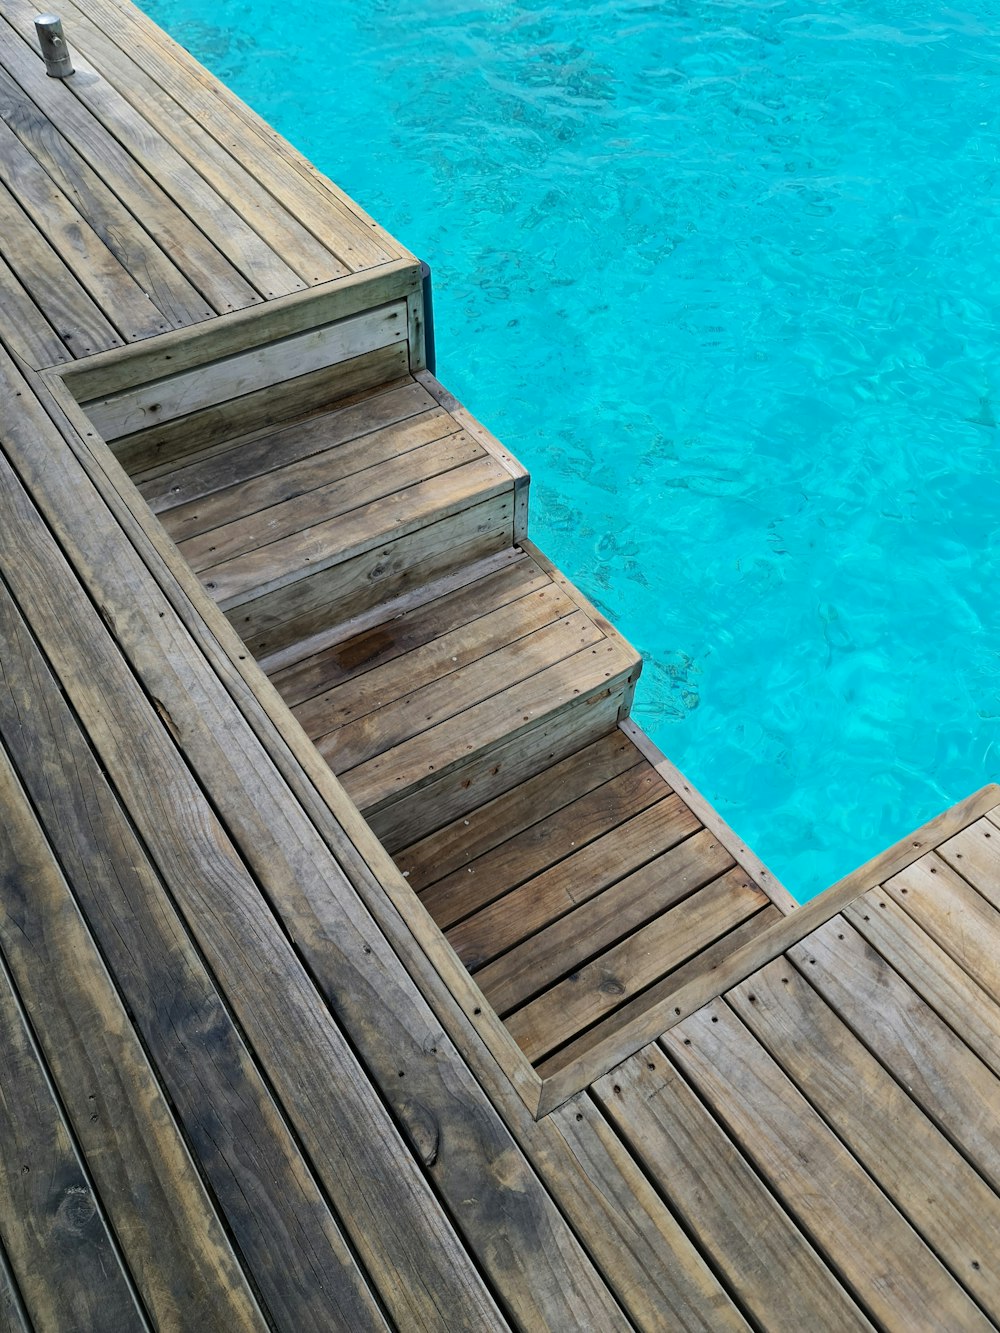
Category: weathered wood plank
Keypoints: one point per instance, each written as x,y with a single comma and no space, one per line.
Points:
420,636
112,288
942,1075
205,266
563,687
450,850
175,1248
54,1232
598,987
723,1203
13,1316
172,121
271,1203
79,322
206,386
975,854
324,503
533,1258
461,691
958,920
860,1232
668,1283
296,611
123,234
945,1200
160,449
650,824
26,329
395,1223
282,463
602,920
573,1067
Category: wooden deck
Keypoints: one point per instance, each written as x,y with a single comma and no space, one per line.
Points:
361,964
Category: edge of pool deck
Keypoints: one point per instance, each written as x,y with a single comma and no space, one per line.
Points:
248,1082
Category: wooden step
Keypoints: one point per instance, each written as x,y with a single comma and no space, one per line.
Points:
584,894
322,519
431,699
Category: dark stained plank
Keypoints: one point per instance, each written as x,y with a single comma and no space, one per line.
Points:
667,1282
646,821
597,922
862,1235
175,1248
533,1259
946,943
13,1317
931,1183
724,1205
122,233
596,989
272,1205
99,272
939,1071
204,265
474,837
565,833
79,322
573,1066
54,1232
288,462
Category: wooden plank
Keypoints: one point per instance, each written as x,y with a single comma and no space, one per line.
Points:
584,867
204,265
527,854
413,632
596,924
412,676
779,937
177,1251
160,449
26,328
178,395
767,1264
669,1284
212,213
13,1316
172,121
351,431
80,324
710,817
959,921
544,1275
932,1185
863,1237
315,201
269,569
296,611
472,686
502,768
324,503
271,1203
112,288
573,1067
601,986
975,854
395,1223
55,1235
485,830
123,234
563,687
942,1075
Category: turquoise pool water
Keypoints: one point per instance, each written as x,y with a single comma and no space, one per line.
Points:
724,277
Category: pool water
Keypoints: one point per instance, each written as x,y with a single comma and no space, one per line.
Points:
725,277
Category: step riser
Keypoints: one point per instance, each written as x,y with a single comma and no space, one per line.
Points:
498,768
358,585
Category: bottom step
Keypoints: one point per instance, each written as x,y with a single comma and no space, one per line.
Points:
583,896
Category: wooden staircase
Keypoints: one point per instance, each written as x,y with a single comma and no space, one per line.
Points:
373,557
